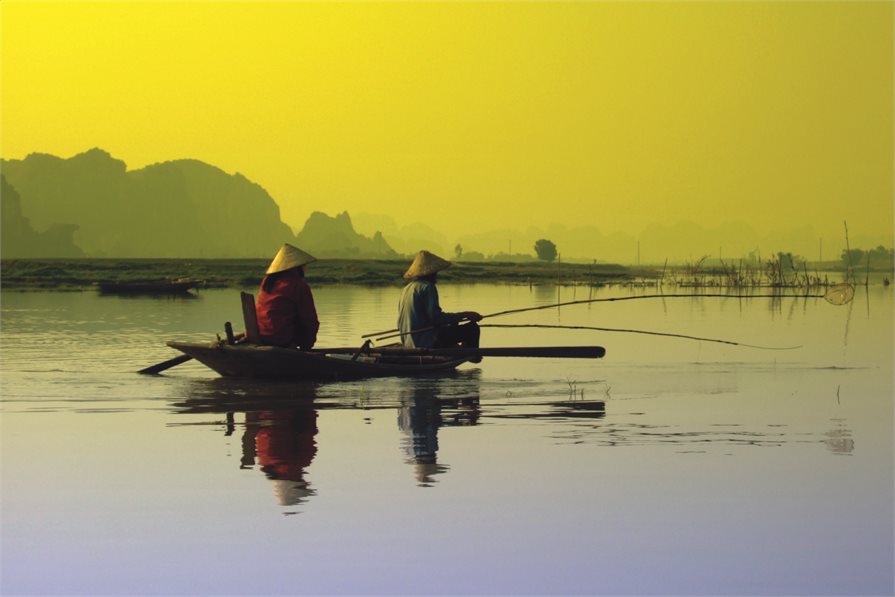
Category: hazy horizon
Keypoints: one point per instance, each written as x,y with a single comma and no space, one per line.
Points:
476,118
679,241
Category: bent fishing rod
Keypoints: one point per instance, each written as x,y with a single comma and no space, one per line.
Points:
838,295
632,331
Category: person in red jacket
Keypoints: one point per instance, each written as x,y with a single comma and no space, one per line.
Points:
285,306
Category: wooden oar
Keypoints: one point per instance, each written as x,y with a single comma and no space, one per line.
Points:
156,369
554,352
165,365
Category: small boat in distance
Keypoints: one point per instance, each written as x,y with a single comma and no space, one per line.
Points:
169,286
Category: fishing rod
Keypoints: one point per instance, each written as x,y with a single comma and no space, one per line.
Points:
838,294
629,331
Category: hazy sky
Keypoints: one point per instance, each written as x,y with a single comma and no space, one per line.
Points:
474,116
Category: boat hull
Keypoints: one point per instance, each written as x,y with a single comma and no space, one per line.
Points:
273,362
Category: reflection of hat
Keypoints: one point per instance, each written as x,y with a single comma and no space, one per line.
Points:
425,471
290,493
287,258
426,263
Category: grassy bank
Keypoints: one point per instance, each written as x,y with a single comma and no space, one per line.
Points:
81,274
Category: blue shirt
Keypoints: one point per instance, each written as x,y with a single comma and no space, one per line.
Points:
419,308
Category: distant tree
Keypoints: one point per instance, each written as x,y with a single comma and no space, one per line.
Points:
545,250
458,250
853,257
787,261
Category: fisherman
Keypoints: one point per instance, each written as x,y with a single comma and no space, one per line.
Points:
421,321
285,306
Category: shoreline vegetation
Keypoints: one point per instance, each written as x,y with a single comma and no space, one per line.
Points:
84,274
87,274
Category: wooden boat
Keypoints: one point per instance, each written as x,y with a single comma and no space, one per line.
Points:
245,356
327,364
172,286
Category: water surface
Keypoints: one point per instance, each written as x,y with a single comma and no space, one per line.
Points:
668,467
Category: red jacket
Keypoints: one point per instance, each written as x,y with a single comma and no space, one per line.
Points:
286,313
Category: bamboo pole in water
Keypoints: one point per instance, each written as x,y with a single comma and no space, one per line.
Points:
849,274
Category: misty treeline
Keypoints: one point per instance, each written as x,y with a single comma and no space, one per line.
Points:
877,258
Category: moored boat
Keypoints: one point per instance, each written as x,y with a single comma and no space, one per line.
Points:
172,286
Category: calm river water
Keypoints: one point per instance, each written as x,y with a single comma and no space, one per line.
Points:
668,467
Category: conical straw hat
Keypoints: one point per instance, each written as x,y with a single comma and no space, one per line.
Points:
291,493
287,258
426,263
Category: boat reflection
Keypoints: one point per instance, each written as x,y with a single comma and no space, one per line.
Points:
280,420
280,428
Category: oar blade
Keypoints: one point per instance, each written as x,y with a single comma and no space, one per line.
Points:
163,366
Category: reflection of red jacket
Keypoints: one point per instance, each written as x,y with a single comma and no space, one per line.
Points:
284,452
286,313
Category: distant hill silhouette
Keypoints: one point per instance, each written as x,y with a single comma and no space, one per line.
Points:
182,208
406,240
18,239
335,237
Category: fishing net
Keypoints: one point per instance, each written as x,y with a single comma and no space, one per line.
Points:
840,294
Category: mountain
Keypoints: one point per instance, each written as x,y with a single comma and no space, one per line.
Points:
181,208
406,240
19,239
199,210
334,237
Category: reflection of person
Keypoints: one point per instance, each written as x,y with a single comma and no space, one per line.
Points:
419,417
283,443
839,438
419,309
285,306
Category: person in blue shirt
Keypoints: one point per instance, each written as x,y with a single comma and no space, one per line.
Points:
421,321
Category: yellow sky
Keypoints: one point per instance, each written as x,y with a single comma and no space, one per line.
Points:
475,116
